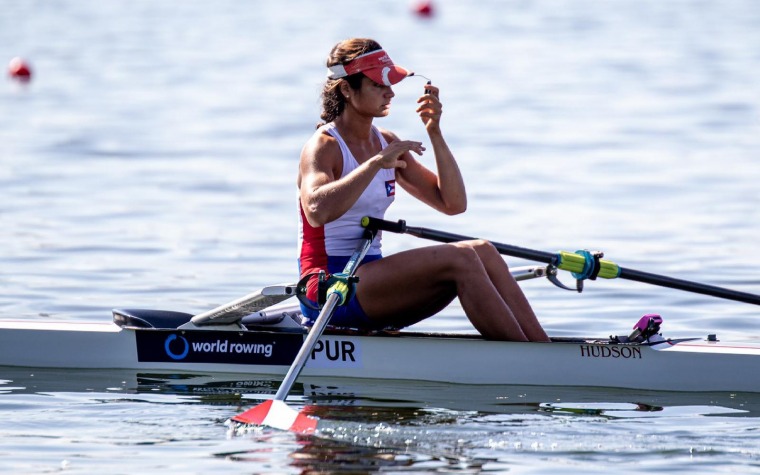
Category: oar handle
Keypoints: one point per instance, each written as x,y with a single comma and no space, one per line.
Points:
377,224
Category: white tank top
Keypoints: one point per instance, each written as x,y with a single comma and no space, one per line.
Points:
339,237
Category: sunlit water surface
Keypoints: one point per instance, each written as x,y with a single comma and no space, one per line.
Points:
151,163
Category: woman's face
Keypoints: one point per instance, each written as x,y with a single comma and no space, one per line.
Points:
372,98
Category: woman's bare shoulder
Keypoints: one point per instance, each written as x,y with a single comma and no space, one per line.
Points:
320,144
388,135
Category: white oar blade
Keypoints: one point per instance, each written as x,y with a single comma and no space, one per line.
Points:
275,413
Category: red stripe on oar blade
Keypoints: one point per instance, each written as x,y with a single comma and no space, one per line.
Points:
304,424
279,415
254,415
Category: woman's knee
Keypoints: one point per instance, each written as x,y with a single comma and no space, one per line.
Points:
464,255
485,250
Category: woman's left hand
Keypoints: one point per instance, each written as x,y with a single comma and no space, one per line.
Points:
430,108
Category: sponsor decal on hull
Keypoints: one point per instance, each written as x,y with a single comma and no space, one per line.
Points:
217,347
599,351
158,346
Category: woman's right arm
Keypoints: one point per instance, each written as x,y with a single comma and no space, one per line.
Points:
325,194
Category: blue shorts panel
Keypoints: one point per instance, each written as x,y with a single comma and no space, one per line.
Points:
350,315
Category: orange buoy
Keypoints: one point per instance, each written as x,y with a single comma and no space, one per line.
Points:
424,8
19,69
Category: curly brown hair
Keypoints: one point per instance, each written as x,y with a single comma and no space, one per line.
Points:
333,102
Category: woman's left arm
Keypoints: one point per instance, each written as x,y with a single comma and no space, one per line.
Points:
444,191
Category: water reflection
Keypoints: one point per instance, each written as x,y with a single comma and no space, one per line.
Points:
369,426
391,401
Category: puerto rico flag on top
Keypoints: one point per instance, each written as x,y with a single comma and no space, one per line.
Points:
390,188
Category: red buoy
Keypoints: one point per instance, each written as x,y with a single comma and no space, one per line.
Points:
424,8
19,69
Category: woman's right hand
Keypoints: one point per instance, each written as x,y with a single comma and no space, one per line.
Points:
392,156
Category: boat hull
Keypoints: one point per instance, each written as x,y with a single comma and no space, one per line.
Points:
335,394
675,366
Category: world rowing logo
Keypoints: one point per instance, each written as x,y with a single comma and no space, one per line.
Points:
183,347
168,347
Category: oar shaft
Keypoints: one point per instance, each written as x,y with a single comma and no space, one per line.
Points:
506,249
308,345
324,317
550,258
442,236
679,284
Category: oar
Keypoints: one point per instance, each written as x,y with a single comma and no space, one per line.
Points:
274,412
582,264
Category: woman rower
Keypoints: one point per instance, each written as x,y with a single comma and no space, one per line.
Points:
349,169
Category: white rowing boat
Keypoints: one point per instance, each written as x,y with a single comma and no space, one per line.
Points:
258,335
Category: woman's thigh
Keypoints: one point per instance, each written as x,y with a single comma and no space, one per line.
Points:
412,285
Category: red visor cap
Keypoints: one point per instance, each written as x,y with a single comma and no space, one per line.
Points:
376,65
